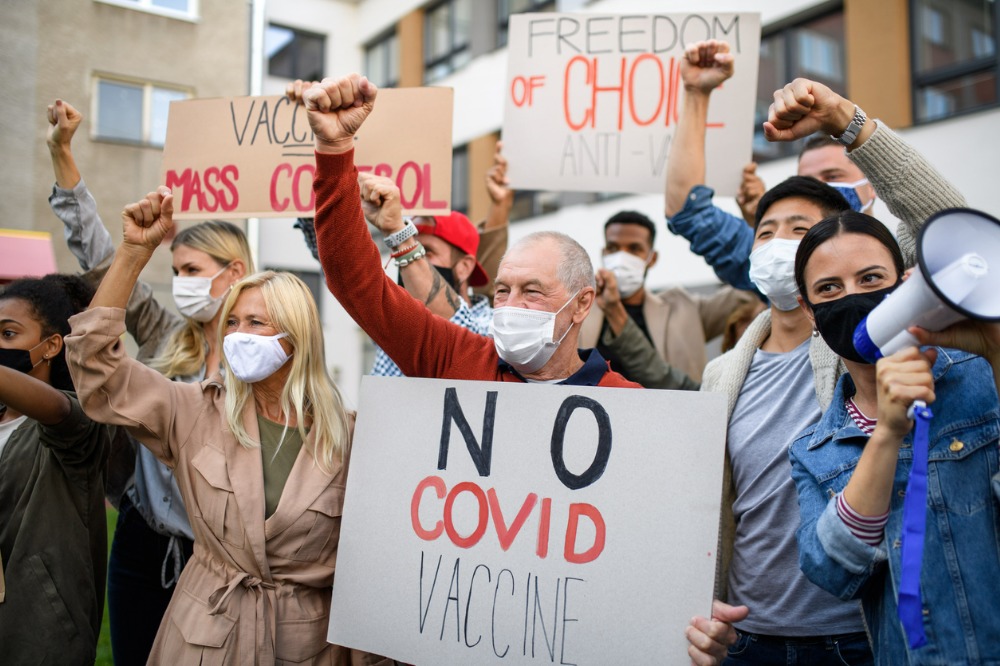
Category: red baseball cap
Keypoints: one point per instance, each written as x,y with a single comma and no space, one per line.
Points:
456,230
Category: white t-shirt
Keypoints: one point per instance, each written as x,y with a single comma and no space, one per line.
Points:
7,429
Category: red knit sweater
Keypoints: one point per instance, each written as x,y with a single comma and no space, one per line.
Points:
421,343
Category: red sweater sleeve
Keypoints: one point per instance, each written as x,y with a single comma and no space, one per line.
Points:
421,343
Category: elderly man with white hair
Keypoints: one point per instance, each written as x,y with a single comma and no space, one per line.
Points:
544,286
544,290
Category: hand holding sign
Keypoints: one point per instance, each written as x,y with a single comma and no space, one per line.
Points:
709,639
706,65
380,202
146,223
337,108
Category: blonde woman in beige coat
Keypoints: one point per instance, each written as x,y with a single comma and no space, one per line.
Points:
260,455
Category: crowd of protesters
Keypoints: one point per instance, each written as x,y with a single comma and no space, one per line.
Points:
224,443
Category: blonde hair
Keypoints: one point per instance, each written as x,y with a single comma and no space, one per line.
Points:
309,392
186,348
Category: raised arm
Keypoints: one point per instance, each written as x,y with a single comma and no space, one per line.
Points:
421,344
723,240
32,397
911,188
383,209
704,67
494,231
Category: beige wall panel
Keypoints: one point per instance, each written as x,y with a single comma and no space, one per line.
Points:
480,160
878,58
410,30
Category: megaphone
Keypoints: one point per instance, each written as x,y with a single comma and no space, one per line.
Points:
958,277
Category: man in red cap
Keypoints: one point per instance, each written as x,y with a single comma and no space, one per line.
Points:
440,273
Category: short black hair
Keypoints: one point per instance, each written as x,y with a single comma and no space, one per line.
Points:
53,299
829,200
633,217
818,140
846,222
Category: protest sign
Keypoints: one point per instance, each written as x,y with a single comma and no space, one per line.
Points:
491,522
238,157
592,101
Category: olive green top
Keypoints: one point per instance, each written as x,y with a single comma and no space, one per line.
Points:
278,457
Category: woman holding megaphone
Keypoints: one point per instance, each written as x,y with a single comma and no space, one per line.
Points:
899,516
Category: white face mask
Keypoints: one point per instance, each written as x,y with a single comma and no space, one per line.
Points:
524,338
254,357
193,296
772,269
629,270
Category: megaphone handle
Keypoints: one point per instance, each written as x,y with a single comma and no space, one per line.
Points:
917,404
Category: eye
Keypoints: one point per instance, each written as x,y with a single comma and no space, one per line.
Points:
764,234
8,333
231,323
872,278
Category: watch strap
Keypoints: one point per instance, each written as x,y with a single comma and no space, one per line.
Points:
850,134
396,239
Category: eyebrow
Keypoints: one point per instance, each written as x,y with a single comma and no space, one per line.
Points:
9,321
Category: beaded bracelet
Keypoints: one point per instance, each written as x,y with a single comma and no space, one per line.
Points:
416,255
406,250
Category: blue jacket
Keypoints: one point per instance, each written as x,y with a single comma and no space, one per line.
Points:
960,577
724,240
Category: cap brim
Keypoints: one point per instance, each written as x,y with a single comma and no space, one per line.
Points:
478,278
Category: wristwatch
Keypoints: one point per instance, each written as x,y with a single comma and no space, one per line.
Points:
396,239
851,133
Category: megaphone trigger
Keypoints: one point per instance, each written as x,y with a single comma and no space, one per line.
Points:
915,408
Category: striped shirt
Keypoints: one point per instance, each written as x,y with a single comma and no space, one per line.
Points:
869,529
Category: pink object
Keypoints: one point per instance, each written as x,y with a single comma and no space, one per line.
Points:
25,254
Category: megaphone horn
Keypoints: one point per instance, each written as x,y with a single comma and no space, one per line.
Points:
955,251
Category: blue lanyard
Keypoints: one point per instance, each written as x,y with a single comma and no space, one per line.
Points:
910,606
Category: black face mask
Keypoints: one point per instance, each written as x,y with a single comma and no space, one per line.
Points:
836,320
447,273
16,359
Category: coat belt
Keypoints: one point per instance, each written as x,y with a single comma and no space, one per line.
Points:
257,615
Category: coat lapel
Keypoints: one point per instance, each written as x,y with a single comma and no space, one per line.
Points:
306,482
246,473
656,311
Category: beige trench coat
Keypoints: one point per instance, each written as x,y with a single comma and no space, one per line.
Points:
255,590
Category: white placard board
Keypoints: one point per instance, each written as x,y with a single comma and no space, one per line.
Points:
592,100
579,525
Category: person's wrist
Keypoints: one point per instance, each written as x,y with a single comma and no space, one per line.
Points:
337,146
841,118
58,147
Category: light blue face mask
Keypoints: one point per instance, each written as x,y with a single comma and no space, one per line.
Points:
849,191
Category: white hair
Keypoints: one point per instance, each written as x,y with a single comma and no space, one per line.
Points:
574,269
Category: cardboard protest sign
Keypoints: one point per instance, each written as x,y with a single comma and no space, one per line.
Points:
237,157
592,100
491,522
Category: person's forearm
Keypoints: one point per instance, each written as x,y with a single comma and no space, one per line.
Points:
64,166
32,397
498,214
870,488
116,287
426,285
686,161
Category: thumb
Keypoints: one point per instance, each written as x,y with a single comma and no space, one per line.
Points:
166,204
726,613
772,133
60,112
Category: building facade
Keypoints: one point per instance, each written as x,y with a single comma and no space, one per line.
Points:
926,67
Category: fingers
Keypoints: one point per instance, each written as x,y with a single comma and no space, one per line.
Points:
708,640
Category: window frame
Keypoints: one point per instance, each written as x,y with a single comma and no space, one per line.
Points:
383,41
503,18
147,108
296,47
454,49
147,6
922,80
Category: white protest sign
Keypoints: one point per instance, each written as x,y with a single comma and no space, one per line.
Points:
492,522
592,100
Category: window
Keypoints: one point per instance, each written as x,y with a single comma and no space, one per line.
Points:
954,57
175,8
133,112
294,54
446,38
460,179
507,7
312,279
813,49
382,61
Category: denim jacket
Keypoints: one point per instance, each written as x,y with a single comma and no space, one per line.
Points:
960,577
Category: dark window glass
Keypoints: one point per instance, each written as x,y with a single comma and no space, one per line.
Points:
446,38
460,179
813,49
294,54
382,61
954,57
119,111
507,7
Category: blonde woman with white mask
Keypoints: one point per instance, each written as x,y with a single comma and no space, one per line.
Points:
260,454
153,535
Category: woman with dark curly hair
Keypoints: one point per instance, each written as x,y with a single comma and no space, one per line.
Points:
53,533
